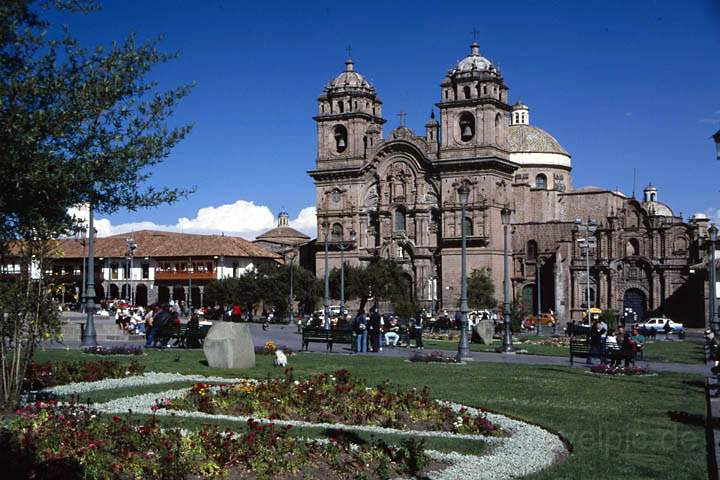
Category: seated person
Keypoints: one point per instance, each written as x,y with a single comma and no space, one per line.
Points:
392,333
638,338
628,349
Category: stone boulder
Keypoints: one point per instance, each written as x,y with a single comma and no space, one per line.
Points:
229,345
483,332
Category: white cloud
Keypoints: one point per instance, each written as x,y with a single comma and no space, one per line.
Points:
242,218
713,119
306,221
713,214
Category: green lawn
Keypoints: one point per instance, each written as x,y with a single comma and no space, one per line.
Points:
618,427
685,351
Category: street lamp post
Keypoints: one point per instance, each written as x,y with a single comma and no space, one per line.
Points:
189,297
538,315
89,338
290,254
712,294
342,246
507,346
81,238
131,246
586,243
326,295
463,345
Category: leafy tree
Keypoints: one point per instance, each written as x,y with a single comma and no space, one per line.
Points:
481,290
381,279
77,125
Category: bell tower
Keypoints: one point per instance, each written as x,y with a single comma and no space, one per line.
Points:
349,120
474,113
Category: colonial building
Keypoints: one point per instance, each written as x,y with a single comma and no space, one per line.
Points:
160,267
289,243
400,194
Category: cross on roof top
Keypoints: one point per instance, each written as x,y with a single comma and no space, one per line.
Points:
349,50
402,118
474,34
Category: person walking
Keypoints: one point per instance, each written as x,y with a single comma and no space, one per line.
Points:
595,341
361,330
418,327
374,330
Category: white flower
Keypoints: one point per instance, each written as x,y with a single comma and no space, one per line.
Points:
297,383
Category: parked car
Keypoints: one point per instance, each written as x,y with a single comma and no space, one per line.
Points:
658,324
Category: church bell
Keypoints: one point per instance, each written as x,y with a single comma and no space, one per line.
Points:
341,143
466,131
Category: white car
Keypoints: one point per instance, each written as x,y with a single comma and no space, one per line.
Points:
658,324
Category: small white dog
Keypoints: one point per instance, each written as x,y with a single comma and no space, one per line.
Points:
280,359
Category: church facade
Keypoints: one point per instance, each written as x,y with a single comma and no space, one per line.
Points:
399,194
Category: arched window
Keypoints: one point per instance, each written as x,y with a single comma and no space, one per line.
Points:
341,106
365,146
340,135
399,220
484,89
632,248
540,181
466,91
467,126
497,129
517,118
322,108
468,226
337,232
355,104
446,94
532,250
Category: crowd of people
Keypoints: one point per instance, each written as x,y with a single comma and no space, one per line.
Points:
613,345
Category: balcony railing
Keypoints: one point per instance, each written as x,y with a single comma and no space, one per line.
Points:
185,275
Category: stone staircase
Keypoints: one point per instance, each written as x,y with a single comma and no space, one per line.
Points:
105,329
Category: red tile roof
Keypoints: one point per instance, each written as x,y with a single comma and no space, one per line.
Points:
151,243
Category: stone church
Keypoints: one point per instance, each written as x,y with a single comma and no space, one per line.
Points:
398,193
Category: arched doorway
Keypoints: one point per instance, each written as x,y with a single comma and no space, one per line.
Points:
99,292
196,297
114,291
163,294
635,299
141,296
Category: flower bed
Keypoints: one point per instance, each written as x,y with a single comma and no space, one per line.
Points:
270,347
433,357
72,442
334,398
115,350
608,370
43,375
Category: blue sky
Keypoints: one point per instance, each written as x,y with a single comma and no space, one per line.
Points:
620,84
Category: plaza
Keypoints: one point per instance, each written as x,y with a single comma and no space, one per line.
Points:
476,243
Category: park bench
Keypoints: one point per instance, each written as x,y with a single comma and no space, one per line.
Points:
579,347
184,337
328,337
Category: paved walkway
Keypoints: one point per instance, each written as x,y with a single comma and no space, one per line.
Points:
287,335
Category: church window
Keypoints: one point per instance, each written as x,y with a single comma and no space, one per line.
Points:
340,138
399,220
355,105
446,94
466,92
540,181
341,107
365,146
374,110
532,249
337,232
485,89
500,96
468,226
633,247
467,126
497,129
517,118
322,108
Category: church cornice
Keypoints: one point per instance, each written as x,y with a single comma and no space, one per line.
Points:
474,102
335,117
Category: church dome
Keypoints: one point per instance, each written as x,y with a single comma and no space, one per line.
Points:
349,80
657,209
473,62
529,139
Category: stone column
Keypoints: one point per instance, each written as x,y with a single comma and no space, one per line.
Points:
202,293
152,294
558,272
171,289
601,291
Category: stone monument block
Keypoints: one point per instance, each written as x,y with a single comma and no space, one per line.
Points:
483,332
229,345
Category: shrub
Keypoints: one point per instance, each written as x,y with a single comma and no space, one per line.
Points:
44,375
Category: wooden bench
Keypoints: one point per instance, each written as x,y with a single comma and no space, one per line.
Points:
579,348
328,337
182,335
